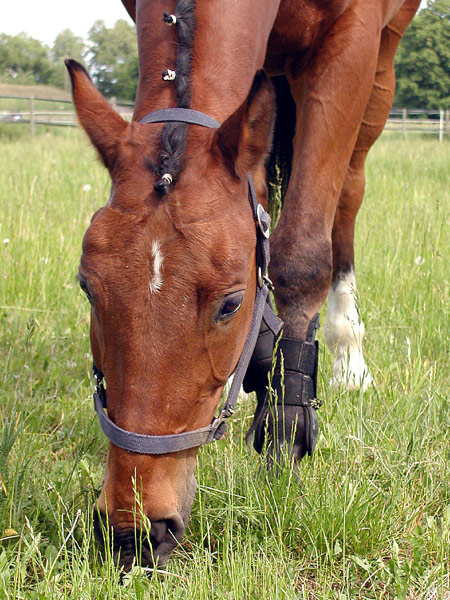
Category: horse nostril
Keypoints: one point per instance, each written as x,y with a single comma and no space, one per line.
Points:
165,535
157,532
166,531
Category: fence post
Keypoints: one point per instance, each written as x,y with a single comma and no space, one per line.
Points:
32,115
404,117
447,120
441,124
113,102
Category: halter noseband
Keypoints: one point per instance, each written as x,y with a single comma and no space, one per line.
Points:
165,444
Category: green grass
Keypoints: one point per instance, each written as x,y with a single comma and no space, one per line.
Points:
372,518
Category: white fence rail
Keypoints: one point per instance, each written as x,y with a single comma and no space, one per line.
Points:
60,117
434,122
404,121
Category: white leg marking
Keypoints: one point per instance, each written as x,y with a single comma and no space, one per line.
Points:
344,332
156,281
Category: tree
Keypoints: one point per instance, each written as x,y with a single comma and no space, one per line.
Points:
24,59
423,59
113,60
66,45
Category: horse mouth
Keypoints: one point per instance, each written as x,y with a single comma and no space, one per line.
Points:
132,546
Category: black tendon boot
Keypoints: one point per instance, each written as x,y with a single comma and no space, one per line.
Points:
257,375
288,413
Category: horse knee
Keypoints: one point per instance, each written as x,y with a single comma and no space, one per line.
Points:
302,277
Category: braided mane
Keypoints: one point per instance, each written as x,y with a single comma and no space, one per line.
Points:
173,139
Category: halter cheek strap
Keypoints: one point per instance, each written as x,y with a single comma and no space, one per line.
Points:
165,444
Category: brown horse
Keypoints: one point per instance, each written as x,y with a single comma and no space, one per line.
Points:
169,263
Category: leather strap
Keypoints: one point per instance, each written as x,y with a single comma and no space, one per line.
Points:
181,115
152,444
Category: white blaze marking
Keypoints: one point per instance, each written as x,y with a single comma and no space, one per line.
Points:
344,333
156,281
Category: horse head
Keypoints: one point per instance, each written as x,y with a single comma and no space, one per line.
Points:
171,280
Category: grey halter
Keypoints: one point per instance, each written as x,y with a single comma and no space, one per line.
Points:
164,444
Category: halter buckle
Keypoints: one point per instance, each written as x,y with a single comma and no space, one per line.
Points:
218,428
264,279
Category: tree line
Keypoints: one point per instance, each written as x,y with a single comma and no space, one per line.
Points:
110,55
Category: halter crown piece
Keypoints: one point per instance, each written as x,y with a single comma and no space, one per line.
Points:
165,444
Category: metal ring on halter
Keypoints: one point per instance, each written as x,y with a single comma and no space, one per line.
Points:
264,279
269,283
263,226
260,277
168,178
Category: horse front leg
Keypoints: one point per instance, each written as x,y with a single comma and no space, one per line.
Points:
344,330
331,94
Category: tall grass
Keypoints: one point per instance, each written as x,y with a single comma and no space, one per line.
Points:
371,518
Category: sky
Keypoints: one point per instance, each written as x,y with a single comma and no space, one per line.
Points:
44,19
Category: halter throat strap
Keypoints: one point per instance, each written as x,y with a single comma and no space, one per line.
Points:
166,444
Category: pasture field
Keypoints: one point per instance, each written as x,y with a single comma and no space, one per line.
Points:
44,91
11,106
371,519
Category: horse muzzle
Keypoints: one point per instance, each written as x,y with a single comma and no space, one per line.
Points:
134,545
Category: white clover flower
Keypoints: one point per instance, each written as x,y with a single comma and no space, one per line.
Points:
419,260
6,241
86,188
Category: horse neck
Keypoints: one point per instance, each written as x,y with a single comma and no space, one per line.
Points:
229,47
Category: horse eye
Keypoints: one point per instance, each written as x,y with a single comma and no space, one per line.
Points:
84,287
230,305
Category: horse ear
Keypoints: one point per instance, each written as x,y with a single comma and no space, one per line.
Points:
102,124
245,138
